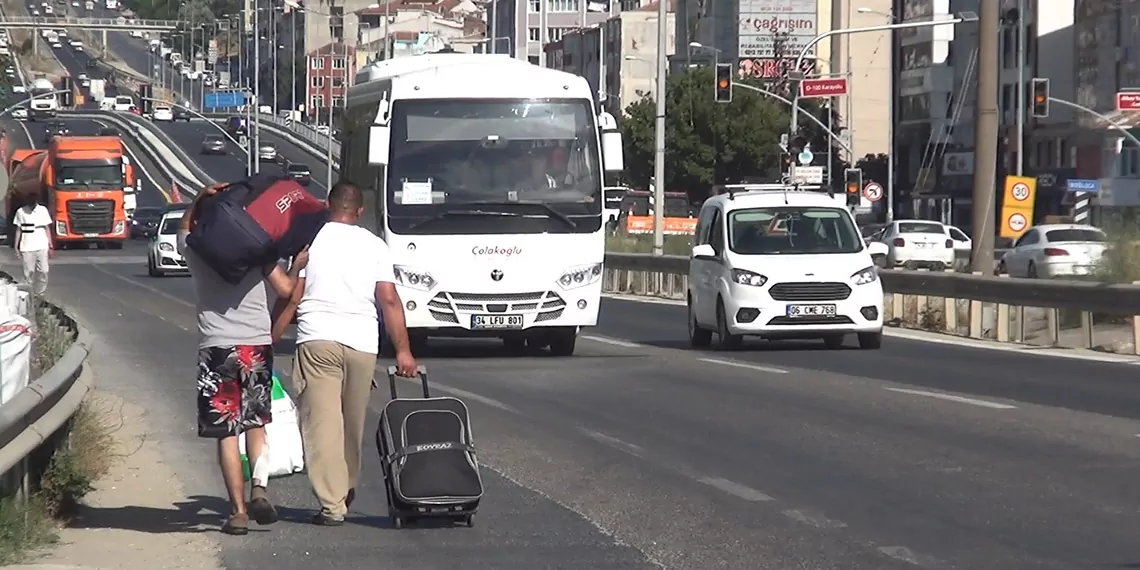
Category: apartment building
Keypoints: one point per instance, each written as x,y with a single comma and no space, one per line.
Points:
328,75
523,28
617,57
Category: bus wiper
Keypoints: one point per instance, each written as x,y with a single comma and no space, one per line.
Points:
458,213
550,211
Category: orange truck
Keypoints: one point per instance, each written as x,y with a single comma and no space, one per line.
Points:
81,182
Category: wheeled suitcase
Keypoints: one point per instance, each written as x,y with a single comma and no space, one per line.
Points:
428,455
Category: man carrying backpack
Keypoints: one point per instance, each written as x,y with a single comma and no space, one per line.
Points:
235,369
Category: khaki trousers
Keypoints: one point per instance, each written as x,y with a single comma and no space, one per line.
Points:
36,270
333,384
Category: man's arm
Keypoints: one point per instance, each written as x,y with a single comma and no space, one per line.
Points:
392,308
18,222
46,223
285,309
285,282
191,212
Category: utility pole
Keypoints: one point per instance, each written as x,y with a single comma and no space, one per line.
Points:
1021,111
985,136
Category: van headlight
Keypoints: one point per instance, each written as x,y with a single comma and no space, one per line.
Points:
865,276
745,277
414,278
580,276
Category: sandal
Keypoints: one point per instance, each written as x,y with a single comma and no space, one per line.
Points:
236,525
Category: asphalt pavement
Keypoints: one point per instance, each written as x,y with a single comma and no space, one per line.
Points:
639,452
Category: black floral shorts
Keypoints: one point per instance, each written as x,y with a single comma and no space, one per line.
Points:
235,389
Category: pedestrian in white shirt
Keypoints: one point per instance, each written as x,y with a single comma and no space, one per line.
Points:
33,243
347,283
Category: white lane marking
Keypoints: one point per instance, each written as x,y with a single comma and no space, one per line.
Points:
954,398
940,338
909,556
812,518
735,364
154,290
468,395
609,441
735,489
613,341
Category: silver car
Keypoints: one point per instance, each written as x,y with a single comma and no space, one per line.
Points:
267,152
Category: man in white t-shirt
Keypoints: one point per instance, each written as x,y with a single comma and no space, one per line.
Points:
348,280
34,243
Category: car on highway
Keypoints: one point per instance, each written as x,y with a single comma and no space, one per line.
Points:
84,80
918,244
91,64
55,43
35,12
107,132
76,45
55,128
162,113
1055,250
213,144
144,222
267,152
236,126
181,114
781,263
19,89
162,256
123,103
299,172
20,113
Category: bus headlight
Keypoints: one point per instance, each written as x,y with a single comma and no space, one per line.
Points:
580,276
414,278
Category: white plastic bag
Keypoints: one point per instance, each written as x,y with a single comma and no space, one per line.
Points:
286,453
15,355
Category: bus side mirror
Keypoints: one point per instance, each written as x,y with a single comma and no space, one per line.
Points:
378,144
613,151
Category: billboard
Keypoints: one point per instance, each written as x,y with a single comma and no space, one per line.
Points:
768,68
762,21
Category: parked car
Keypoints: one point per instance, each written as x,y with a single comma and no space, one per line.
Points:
1055,250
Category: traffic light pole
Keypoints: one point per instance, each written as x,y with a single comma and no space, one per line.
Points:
1021,109
1111,123
842,143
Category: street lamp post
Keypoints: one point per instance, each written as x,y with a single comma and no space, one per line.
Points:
659,132
890,116
960,18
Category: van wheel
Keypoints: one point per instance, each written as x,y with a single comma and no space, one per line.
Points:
871,341
698,337
725,340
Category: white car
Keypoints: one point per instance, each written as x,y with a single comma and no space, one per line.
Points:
20,113
19,89
84,80
267,152
917,244
76,45
163,113
782,264
56,45
49,10
163,257
1055,250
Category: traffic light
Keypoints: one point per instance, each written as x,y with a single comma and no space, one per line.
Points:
853,180
724,83
787,160
1040,97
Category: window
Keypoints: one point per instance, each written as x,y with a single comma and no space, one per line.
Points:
317,101
716,232
534,34
562,5
338,82
791,230
535,6
316,63
921,228
704,223
317,81
1055,236
338,63
338,101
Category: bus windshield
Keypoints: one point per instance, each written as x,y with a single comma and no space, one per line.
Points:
493,166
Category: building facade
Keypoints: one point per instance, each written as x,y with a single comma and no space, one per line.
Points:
328,75
523,28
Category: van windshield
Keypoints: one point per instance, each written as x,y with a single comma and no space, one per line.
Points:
792,230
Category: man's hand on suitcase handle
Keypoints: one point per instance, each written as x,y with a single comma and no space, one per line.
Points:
406,365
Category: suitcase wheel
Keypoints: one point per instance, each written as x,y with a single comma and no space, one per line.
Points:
397,521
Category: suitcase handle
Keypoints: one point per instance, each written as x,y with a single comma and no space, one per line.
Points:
421,372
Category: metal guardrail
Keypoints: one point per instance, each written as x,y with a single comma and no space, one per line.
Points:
36,413
300,135
667,276
119,24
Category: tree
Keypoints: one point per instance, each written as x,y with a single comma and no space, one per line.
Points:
874,167
706,142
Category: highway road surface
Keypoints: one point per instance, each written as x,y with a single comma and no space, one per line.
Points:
641,453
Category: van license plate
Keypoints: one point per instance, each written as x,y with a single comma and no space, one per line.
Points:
811,310
496,321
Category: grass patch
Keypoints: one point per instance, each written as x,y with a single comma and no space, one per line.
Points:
643,243
84,452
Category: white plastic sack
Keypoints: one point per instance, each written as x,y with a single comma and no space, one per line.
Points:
15,355
286,453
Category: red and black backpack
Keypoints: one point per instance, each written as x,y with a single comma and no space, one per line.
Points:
254,222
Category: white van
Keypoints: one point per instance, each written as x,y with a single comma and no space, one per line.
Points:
782,263
124,103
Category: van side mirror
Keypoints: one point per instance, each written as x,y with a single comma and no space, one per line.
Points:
704,251
877,248
613,149
378,144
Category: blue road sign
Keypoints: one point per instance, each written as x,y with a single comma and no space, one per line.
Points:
1090,186
224,99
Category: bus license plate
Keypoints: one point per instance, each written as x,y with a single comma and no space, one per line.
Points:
496,321
811,310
